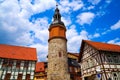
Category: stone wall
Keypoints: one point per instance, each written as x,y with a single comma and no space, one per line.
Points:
57,60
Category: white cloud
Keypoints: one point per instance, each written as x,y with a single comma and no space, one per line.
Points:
100,13
116,26
71,32
115,41
75,38
66,20
91,7
108,1
40,28
42,51
28,9
76,5
113,27
66,6
94,2
106,31
96,35
85,18
85,8
25,39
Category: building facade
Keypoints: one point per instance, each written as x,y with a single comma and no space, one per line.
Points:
40,71
57,50
17,63
74,66
99,61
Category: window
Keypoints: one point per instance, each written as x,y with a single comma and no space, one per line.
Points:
116,59
110,59
115,76
18,64
7,76
19,77
60,54
27,77
87,64
5,62
26,64
10,62
113,58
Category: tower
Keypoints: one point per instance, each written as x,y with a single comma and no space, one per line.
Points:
57,50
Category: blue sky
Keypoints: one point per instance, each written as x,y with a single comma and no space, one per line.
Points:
26,22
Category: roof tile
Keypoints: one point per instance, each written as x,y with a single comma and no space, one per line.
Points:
40,67
17,52
104,46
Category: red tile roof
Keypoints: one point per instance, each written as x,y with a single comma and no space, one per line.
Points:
99,46
104,46
17,52
40,67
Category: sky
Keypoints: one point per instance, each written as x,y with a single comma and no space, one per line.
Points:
26,22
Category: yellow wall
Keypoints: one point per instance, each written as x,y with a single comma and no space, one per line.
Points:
72,56
38,79
42,75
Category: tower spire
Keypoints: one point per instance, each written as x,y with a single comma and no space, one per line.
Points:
57,49
57,16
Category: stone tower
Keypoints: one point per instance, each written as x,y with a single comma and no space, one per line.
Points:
57,50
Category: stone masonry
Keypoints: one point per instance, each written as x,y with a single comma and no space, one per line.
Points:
57,60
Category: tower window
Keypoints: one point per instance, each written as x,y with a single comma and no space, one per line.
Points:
60,54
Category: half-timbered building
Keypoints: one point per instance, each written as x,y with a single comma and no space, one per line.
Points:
99,61
17,63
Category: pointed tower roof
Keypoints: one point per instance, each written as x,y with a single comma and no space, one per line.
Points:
57,17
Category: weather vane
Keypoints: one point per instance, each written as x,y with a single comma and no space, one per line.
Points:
56,4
